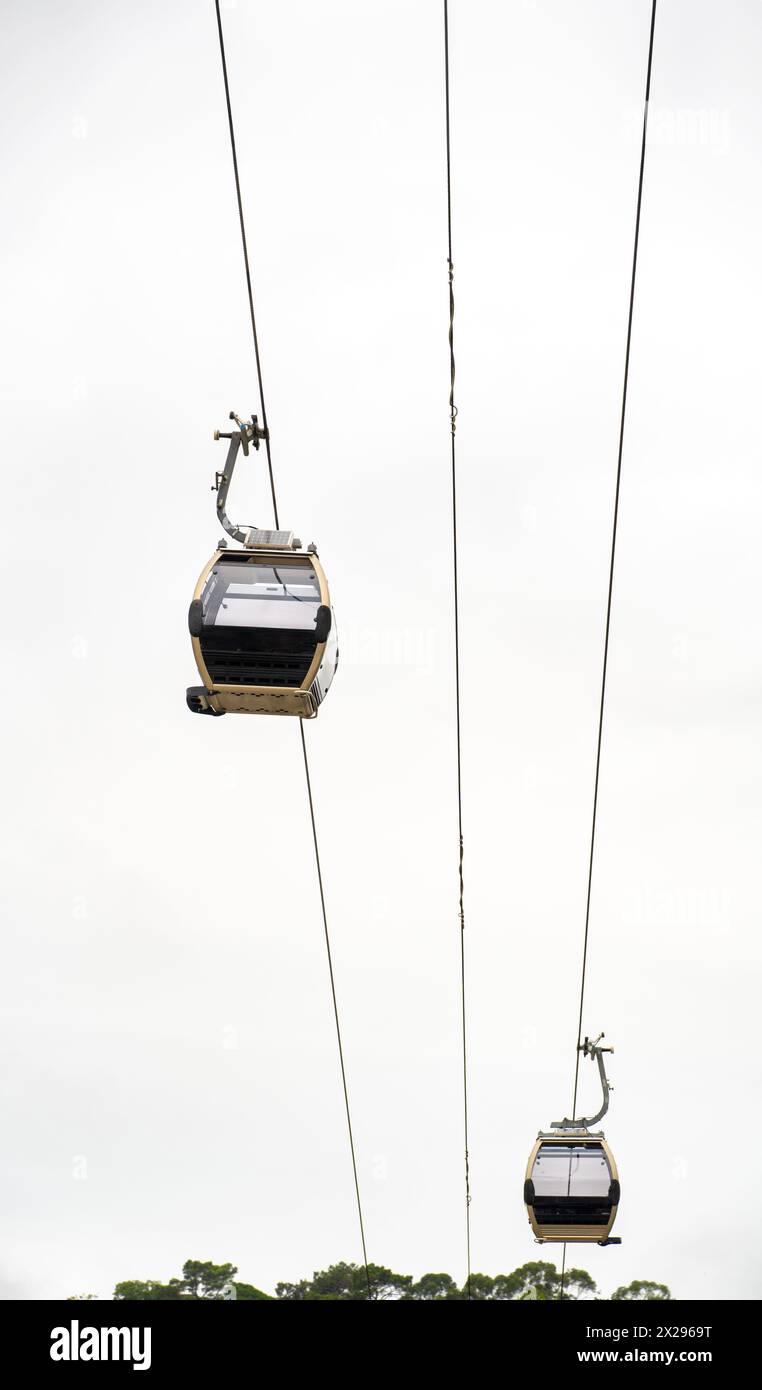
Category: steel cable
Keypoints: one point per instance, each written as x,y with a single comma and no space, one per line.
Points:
611,563
456,615
301,726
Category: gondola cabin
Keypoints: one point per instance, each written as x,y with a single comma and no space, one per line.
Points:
263,634
571,1188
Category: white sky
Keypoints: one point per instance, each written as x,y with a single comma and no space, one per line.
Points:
170,1084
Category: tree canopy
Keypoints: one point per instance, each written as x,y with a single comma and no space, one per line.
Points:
201,1279
538,1279
641,1289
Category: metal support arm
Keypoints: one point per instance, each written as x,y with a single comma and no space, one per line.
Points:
591,1049
245,435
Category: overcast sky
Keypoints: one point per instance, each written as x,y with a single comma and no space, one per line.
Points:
170,1082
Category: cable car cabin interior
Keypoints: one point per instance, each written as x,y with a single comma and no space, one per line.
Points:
262,632
571,1189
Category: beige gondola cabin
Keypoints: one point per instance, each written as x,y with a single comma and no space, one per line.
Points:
263,634
571,1189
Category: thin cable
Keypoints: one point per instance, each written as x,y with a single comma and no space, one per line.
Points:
335,1009
613,553
246,263
613,546
453,417
301,726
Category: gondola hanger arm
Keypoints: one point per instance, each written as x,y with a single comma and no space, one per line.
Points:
249,433
591,1048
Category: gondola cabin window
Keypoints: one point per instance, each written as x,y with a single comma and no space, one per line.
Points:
571,1170
282,595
